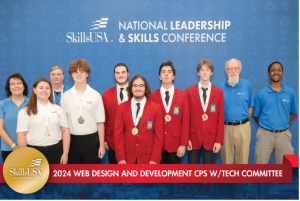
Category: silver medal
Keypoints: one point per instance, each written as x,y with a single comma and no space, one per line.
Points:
81,120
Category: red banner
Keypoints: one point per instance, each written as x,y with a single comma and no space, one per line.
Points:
183,173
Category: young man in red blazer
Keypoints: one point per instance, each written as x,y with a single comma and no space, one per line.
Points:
112,98
176,115
207,117
138,131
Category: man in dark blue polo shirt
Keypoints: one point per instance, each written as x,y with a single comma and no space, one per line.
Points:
238,104
275,107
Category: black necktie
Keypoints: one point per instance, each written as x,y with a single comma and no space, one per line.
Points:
204,93
138,109
121,94
167,97
137,112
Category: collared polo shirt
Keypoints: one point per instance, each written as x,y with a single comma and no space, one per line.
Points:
274,108
9,113
92,114
237,100
35,126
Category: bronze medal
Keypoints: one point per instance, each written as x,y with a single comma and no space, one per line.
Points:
135,131
204,117
168,118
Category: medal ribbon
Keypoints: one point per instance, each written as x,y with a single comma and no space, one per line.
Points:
61,92
80,104
46,112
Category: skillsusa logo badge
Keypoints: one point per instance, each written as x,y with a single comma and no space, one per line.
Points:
26,170
93,36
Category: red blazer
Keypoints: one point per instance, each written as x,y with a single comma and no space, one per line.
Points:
212,130
176,131
110,102
146,146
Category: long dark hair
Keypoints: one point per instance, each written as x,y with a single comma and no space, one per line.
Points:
31,107
7,86
147,87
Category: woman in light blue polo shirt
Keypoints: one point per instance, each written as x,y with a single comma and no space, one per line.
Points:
16,91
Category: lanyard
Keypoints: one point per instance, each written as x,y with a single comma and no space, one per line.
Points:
61,92
80,101
46,112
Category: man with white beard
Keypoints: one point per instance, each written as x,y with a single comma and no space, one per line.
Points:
238,105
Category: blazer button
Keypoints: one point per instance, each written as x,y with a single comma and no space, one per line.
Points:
137,144
165,132
165,122
201,129
137,135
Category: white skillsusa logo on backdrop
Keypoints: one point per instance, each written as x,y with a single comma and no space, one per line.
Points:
99,23
90,37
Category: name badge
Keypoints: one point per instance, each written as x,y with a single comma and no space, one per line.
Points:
176,109
89,102
213,107
149,124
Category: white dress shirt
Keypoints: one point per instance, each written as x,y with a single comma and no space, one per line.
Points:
35,125
204,106
124,92
91,110
134,109
163,97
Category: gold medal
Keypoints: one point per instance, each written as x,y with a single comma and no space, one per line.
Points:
204,117
168,118
135,131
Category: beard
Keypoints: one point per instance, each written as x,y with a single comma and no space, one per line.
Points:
233,80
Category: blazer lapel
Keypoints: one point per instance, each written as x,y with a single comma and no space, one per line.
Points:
158,97
115,96
212,94
145,113
129,112
197,96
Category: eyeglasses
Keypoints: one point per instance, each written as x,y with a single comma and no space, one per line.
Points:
231,69
136,86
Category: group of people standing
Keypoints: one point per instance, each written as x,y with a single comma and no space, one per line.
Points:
75,125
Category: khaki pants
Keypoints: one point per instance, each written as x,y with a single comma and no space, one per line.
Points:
266,142
236,144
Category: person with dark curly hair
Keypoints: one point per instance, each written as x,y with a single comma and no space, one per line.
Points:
85,111
138,131
16,92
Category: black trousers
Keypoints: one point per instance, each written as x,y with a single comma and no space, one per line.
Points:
208,156
170,158
52,153
112,156
5,154
84,149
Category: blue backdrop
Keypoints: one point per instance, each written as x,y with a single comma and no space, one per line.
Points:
36,35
